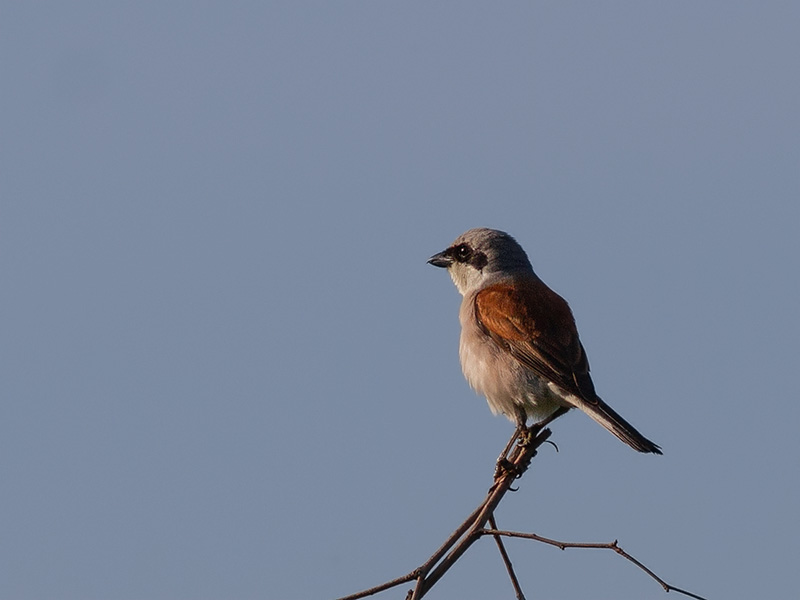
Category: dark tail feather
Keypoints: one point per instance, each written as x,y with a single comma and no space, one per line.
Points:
608,418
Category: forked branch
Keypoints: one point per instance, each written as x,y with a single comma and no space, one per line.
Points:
593,545
512,464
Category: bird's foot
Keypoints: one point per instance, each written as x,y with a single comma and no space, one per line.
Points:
526,435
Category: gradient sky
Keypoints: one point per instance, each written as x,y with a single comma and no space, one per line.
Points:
227,371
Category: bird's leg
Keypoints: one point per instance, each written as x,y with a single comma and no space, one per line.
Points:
526,434
504,454
503,464
520,416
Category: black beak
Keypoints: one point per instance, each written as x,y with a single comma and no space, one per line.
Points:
440,260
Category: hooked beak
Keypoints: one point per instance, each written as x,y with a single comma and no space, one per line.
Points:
442,259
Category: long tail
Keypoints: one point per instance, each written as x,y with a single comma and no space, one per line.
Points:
608,418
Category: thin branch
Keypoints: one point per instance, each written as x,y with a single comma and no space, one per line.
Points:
517,464
379,588
507,561
470,530
512,464
596,545
450,542
420,572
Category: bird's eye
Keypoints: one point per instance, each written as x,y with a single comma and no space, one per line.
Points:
462,253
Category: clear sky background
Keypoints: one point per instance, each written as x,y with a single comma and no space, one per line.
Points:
227,371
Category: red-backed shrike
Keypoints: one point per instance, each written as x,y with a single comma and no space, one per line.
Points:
519,344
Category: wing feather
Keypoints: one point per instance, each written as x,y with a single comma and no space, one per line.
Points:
536,326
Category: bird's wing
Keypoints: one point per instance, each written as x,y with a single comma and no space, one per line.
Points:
536,326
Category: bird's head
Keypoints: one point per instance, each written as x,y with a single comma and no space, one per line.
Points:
481,256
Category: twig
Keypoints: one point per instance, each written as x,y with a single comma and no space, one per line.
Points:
518,463
470,530
507,561
454,537
599,545
512,464
379,588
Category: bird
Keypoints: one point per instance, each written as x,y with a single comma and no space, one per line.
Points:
519,345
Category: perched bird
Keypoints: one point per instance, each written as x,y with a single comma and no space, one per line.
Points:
519,345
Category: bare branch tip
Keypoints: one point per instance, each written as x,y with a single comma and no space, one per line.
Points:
511,465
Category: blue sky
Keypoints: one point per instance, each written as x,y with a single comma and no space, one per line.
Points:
228,372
